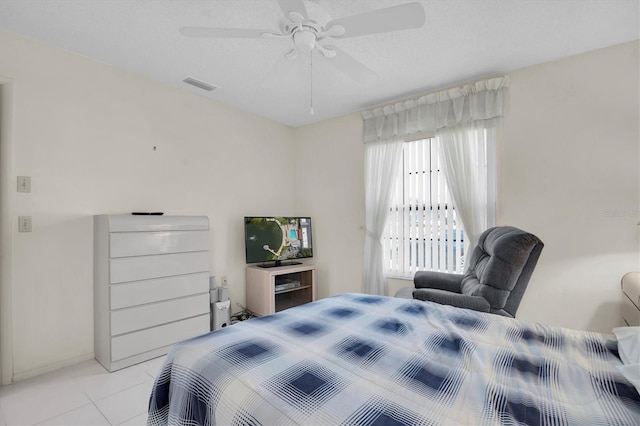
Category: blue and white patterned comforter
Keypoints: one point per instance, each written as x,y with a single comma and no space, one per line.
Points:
360,359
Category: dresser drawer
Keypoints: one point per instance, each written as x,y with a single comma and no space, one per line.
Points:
129,294
133,223
127,269
126,244
145,316
153,338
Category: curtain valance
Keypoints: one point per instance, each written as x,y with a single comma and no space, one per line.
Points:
480,101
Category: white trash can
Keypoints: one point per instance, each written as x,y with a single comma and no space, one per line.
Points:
221,314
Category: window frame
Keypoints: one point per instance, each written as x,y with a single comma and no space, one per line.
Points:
459,248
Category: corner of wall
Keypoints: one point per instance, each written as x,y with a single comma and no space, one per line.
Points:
6,230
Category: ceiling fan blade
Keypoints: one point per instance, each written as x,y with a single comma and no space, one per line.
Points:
279,70
350,66
223,32
293,6
396,18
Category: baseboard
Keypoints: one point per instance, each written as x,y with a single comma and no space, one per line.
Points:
51,367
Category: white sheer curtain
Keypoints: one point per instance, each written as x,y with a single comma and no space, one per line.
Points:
462,117
382,159
466,151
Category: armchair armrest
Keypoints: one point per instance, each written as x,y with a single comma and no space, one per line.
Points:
438,280
442,297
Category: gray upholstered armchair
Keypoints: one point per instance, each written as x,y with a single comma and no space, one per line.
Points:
498,272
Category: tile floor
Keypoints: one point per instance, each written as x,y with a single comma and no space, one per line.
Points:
81,394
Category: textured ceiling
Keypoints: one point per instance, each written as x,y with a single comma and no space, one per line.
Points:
460,41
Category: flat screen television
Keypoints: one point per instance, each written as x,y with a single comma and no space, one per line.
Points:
277,241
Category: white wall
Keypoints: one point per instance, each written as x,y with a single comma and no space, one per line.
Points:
85,131
330,188
570,174
569,159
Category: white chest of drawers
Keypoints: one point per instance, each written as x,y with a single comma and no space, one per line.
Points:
151,285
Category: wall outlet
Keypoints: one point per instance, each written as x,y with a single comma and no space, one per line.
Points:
24,223
223,281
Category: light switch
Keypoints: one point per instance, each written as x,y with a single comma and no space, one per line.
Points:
24,184
24,223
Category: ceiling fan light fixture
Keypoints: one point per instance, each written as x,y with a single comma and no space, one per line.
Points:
296,17
304,40
327,52
293,53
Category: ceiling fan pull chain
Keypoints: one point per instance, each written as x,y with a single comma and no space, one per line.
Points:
311,81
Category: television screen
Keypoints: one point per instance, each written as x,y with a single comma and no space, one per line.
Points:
274,239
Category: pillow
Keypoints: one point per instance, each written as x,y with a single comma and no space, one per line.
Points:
629,350
628,344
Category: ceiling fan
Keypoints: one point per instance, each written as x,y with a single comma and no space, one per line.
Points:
314,32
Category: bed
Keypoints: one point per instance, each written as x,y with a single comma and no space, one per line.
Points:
362,359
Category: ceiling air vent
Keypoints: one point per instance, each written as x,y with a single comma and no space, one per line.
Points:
199,84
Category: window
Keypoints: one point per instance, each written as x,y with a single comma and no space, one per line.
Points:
423,231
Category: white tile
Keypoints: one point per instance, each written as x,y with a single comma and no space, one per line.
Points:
65,375
126,404
80,370
140,420
64,396
153,366
99,386
84,416
33,401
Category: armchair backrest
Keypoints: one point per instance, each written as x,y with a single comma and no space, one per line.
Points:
500,267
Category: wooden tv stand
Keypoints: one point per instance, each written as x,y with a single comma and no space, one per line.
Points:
271,290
